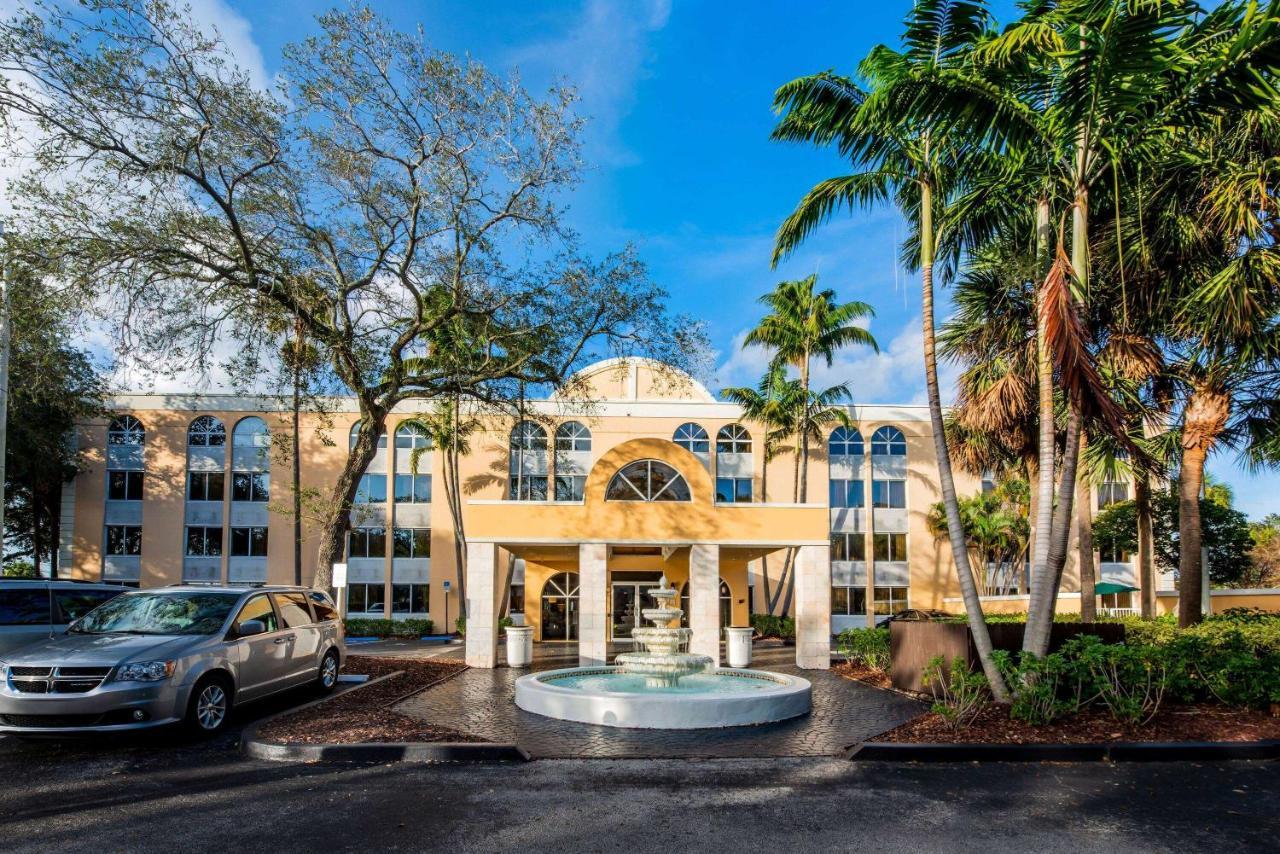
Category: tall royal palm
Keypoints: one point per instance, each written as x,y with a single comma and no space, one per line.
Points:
804,324
904,162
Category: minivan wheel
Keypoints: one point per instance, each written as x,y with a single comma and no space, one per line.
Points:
209,706
328,677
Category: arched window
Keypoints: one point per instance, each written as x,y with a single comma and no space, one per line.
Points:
355,432
251,432
846,442
412,436
572,436
692,437
528,436
647,480
733,439
888,442
560,607
126,430
528,463
206,432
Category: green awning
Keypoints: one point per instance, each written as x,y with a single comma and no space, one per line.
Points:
1112,587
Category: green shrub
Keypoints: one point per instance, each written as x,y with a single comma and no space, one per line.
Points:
1046,689
359,627
460,624
867,647
771,626
959,694
1131,681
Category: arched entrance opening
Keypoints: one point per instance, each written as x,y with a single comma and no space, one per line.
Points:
726,605
560,607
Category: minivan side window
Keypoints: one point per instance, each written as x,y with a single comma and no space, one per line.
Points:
323,607
74,604
258,608
293,609
24,606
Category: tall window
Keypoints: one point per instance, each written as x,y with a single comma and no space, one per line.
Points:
372,489
413,489
249,542
365,598
733,439
890,494
124,485
888,442
205,485
412,542
355,434
572,436
692,438
890,547
250,486
733,490
367,542
570,487
251,432
528,463
647,480
206,432
124,539
411,436
848,546
846,493
412,599
126,430
845,442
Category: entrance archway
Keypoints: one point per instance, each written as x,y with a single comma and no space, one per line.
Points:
560,607
726,605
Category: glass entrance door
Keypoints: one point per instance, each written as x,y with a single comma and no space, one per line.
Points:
627,601
560,607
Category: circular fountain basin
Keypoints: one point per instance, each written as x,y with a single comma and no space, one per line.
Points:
716,698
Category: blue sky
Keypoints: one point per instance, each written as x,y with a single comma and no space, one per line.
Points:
678,95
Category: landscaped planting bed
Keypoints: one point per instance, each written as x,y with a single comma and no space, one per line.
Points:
364,715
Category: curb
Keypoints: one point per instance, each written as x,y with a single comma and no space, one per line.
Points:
1202,751
419,752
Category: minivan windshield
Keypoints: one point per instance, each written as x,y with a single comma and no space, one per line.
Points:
194,612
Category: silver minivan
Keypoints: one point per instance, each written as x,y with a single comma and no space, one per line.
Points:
175,654
37,609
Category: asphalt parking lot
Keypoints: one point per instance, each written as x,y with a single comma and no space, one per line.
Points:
161,792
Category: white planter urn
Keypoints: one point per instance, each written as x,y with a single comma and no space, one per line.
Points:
738,641
519,646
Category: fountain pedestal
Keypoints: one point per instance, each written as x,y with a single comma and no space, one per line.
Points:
662,664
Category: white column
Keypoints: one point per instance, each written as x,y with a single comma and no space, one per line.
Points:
704,600
813,607
482,605
593,591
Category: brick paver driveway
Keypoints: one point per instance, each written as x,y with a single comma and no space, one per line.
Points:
482,702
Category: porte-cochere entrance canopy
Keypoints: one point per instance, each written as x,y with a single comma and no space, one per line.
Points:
646,493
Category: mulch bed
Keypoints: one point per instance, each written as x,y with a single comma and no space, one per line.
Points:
1192,722
363,715
867,675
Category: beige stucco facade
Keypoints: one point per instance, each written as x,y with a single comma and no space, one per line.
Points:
626,412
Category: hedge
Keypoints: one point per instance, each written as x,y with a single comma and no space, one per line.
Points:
359,627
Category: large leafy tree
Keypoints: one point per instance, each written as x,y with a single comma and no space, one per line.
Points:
389,192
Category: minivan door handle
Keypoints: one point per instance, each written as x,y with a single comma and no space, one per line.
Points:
286,639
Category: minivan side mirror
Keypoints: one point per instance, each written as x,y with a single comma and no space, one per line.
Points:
250,627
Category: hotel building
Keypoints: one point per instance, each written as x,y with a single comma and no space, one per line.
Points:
583,505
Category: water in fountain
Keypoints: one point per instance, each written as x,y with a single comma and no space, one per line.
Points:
662,664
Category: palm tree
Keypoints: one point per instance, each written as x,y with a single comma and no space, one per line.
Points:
906,162
804,324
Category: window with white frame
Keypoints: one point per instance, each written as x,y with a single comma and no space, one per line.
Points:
372,489
251,432
845,442
733,439
888,442
890,547
206,485
647,480
251,486
889,494
852,601
355,434
570,487
367,542
413,489
692,437
126,430
411,599
733,490
845,493
124,485
412,542
849,546
528,463
206,432
366,598
412,436
573,436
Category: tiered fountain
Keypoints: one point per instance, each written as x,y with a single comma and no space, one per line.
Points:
663,687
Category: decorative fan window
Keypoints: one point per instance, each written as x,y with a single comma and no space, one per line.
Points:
888,442
573,436
410,435
692,437
846,442
206,432
355,434
126,430
647,480
733,439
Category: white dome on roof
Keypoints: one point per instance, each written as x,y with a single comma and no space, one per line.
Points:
637,378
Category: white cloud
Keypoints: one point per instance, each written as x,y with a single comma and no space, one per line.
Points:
603,55
894,375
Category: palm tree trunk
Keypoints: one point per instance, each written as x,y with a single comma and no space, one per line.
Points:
1044,596
1146,566
1041,530
950,501
1084,542
803,486
1203,422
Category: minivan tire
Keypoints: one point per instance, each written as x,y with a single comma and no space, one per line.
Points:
209,706
327,678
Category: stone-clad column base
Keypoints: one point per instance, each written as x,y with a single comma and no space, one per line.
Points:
813,607
593,615
704,600
482,605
